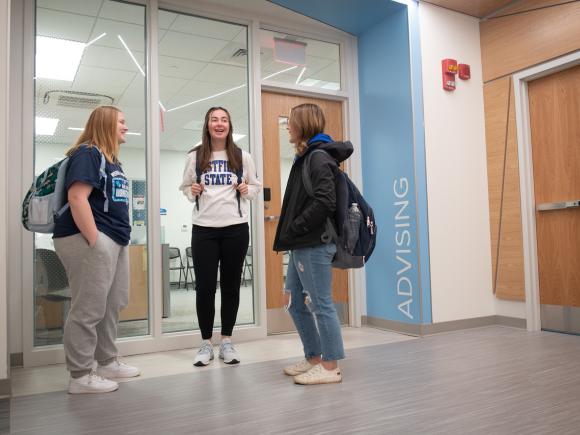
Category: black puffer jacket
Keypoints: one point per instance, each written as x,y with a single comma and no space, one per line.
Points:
303,218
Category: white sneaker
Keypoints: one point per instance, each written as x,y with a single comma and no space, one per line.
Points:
228,353
118,369
319,375
298,368
204,354
91,384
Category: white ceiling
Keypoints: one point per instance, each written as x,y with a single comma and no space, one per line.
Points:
196,61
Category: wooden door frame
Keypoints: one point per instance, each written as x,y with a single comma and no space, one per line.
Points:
351,127
527,202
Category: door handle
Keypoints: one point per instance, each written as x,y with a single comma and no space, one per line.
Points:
548,206
271,218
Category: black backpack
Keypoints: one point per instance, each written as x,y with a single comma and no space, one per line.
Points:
356,230
239,174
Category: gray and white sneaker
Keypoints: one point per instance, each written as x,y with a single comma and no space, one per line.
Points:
228,353
204,354
90,384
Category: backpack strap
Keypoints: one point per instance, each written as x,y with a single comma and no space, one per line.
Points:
103,175
197,176
329,232
239,175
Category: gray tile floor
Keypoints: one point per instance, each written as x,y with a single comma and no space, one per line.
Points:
493,380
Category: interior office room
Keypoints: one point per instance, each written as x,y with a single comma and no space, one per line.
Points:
464,121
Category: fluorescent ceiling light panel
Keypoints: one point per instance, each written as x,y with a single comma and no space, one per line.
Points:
58,59
45,126
76,128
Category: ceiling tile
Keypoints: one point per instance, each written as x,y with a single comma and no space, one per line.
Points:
128,13
132,34
166,19
102,81
206,27
190,47
177,67
81,7
215,73
63,25
111,58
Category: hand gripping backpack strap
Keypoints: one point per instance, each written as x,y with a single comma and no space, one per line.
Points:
197,176
239,174
329,234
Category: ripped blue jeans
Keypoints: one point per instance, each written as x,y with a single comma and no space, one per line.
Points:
309,281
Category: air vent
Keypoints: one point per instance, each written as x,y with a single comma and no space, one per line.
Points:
240,52
79,102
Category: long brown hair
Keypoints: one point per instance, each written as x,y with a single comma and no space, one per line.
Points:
101,131
308,120
205,147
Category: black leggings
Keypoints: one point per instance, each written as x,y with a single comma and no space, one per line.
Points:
226,247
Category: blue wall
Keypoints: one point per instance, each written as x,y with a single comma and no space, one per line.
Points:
388,166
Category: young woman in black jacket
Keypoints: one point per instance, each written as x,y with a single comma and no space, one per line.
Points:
301,230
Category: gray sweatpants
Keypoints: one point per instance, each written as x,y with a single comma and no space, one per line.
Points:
99,283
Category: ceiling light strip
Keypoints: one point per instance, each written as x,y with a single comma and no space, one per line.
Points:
300,75
206,98
131,54
95,40
280,72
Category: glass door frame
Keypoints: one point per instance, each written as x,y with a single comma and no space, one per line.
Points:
156,340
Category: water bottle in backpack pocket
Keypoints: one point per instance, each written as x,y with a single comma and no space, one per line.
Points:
354,229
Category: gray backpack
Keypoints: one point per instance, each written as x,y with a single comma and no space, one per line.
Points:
46,200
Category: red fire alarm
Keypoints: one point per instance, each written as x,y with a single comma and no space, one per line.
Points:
449,69
464,71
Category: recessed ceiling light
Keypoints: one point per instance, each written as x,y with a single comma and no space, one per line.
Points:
58,59
45,126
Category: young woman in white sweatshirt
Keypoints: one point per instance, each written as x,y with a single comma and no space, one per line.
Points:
220,232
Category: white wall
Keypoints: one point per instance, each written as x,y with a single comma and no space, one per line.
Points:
4,86
459,238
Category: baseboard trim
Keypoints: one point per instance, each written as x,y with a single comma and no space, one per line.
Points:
16,359
5,388
437,328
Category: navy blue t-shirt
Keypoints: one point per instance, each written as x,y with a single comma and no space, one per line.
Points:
84,166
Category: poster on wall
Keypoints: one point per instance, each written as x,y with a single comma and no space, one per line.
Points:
138,205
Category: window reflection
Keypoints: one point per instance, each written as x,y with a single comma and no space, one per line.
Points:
202,63
88,54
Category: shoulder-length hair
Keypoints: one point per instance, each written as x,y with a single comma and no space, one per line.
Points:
308,120
101,131
205,148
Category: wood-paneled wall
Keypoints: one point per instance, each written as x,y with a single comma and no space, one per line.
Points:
509,44
515,42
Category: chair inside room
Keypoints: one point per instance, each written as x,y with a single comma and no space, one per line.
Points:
247,268
176,263
189,279
51,286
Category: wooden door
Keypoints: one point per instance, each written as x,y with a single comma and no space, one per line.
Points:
278,154
555,127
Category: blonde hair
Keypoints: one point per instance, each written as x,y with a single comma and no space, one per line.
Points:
308,120
101,131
